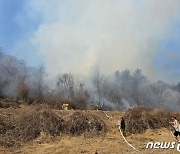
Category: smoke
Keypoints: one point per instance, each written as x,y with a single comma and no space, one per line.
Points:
125,104
75,36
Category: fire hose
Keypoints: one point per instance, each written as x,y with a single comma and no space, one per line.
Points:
128,142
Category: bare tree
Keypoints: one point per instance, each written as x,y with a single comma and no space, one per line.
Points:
21,81
124,81
159,94
138,83
97,81
112,92
8,73
80,90
65,84
39,84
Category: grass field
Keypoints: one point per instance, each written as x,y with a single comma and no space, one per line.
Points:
89,143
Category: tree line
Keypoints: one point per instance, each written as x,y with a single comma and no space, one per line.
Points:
122,89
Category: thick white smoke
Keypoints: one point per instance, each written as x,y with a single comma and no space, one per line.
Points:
115,34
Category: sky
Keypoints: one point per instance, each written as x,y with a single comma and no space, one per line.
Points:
76,35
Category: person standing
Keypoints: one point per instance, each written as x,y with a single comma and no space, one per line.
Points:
176,125
123,126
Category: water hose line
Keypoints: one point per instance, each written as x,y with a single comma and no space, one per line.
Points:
128,142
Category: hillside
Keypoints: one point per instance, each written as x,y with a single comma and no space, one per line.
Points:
104,143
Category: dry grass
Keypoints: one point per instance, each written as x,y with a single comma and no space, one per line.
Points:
76,131
79,123
30,124
139,119
109,142
112,142
33,120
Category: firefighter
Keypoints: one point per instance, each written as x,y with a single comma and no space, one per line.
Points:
122,125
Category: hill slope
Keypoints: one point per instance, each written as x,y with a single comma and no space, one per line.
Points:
111,142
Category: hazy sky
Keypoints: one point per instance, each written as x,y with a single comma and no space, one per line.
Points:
77,35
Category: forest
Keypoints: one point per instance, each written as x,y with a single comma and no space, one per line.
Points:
120,90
